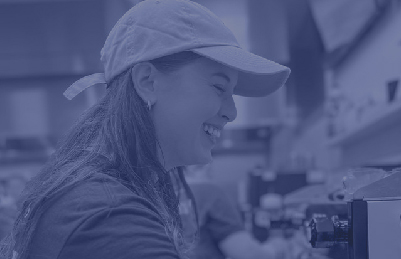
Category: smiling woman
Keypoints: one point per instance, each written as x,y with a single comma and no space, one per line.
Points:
171,68
199,95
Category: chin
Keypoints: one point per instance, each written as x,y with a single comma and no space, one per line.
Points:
206,157
200,158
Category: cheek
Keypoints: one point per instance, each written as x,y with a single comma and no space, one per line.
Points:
207,106
179,119
189,117
182,126
195,110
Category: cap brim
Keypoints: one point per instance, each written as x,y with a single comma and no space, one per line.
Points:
258,76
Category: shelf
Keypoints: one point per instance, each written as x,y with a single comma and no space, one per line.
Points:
378,119
311,194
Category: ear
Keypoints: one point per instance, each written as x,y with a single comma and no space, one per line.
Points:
143,77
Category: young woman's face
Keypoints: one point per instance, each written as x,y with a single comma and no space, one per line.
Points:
193,105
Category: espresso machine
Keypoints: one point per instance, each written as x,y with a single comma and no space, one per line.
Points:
372,227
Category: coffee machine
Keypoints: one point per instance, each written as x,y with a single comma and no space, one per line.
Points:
372,228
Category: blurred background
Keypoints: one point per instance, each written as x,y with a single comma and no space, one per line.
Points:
340,109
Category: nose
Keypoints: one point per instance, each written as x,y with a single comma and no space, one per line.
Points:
228,109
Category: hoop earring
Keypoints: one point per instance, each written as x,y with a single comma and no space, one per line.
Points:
149,105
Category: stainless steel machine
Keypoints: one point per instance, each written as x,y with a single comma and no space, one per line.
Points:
372,229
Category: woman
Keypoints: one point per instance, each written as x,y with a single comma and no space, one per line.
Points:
171,68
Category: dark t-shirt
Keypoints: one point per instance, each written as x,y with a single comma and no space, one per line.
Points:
101,218
218,218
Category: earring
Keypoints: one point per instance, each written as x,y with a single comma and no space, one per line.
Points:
149,105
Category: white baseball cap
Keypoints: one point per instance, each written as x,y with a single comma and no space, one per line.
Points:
157,28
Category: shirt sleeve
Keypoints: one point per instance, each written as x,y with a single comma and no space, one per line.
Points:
223,218
120,233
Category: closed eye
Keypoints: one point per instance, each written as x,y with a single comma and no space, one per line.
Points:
220,88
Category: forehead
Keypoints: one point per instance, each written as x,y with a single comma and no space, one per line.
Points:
212,69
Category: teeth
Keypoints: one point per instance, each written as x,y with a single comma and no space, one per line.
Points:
211,130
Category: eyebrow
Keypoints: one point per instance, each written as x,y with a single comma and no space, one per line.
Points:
222,75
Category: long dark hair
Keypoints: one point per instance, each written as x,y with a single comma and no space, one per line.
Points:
116,136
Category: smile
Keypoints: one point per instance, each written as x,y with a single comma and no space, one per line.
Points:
212,130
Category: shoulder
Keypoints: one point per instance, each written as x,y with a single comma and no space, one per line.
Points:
99,192
96,217
103,191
